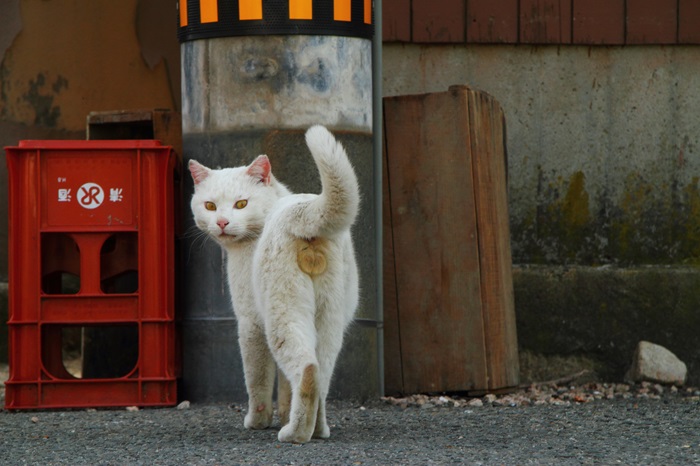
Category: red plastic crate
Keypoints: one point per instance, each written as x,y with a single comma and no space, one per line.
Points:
91,251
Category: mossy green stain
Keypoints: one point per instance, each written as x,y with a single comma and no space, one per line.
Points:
567,220
626,227
574,207
647,224
690,245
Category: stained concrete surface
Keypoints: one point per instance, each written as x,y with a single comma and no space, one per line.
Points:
604,189
603,144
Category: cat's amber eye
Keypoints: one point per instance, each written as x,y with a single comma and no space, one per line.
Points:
210,206
241,204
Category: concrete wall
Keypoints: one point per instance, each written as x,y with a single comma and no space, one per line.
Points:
603,144
604,170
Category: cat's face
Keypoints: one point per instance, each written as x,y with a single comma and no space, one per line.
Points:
230,204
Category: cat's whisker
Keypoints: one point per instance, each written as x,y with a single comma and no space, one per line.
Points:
198,241
247,235
192,232
196,235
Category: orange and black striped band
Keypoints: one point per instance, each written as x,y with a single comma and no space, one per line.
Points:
202,19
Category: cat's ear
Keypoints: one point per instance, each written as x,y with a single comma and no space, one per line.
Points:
199,172
260,169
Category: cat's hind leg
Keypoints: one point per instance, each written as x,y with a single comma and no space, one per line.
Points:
284,398
259,371
330,326
292,340
304,407
321,430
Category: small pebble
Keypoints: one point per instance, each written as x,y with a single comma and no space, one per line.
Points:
476,402
548,394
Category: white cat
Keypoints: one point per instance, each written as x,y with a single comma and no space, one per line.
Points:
292,275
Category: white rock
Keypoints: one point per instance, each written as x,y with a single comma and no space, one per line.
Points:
656,364
475,402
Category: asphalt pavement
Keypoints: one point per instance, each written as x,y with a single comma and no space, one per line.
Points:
618,431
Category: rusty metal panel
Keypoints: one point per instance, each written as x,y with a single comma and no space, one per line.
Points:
545,21
688,22
599,22
652,21
492,21
438,21
396,21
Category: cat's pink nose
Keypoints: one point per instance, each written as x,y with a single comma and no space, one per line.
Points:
222,223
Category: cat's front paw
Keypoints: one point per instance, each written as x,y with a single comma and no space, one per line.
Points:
289,435
258,419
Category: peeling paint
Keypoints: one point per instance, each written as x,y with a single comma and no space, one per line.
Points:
10,24
46,114
159,43
55,73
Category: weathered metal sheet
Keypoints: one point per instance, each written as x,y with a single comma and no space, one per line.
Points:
599,22
545,22
492,22
396,21
688,22
652,21
438,22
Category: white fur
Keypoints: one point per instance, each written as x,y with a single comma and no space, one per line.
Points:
286,315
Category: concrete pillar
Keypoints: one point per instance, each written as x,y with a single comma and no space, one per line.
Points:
251,87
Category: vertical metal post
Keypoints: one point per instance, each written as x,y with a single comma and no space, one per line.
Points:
378,131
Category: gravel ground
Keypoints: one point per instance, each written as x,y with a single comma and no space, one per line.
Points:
569,425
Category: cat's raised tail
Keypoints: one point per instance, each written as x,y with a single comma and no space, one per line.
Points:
335,209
